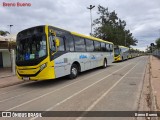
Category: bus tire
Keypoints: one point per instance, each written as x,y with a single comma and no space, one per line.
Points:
122,58
73,71
104,63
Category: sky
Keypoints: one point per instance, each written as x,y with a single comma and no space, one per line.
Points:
142,16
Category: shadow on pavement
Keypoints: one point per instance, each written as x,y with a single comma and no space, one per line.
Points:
54,82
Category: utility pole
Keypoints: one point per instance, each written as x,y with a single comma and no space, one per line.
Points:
125,37
90,8
10,27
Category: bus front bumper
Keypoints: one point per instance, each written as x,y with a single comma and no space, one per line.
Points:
45,74
117,58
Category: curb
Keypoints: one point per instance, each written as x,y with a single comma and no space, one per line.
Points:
152,95
11,84
6,76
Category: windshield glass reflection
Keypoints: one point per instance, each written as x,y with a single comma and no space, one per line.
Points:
30,48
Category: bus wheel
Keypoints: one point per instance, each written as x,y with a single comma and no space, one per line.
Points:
122,58
73,71
104,63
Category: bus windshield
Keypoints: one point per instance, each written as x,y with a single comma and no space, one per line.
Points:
116,51
32,47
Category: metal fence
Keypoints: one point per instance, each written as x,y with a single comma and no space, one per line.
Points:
156,52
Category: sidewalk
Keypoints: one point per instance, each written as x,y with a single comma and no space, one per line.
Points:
155,79
5,72
7,78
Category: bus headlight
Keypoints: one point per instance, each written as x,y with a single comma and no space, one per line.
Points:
43,66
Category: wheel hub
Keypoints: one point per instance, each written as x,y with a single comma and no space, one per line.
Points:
74,71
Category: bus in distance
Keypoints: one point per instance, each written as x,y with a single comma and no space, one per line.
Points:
47,52
121,53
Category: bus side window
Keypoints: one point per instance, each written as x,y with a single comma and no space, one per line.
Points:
111,48
52,43
79,44
97,46
69,42
107,47
89,45
103,47
61,47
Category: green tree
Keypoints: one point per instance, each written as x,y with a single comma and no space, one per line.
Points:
4,33
111,28
158,43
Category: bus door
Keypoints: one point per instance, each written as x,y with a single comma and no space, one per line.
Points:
59,55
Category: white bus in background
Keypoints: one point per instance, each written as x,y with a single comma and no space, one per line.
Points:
121,53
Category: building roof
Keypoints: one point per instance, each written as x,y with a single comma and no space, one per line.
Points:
3,38
8,42
8,38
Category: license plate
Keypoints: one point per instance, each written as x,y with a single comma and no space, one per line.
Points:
25,78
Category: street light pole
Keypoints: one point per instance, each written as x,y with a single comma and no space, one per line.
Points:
90,8
12,54
125,37
10,28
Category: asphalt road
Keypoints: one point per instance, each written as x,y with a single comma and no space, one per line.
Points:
116,88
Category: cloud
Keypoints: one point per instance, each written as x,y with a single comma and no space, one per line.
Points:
143,18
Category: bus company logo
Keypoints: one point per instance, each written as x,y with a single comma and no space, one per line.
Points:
82,56
16,4
93,57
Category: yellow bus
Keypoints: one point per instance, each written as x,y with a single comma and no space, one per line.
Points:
133,53
121,53
47,52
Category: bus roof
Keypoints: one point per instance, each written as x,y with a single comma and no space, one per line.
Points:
85,36
133,48
90,37
77,34
123,46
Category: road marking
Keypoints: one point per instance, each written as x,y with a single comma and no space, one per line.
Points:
14,89
62,88
104,94
4,100
55,90
10,91
37,90
78,80
59,103
84,89
117,64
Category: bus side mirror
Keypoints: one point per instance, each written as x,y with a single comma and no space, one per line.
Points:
57,42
